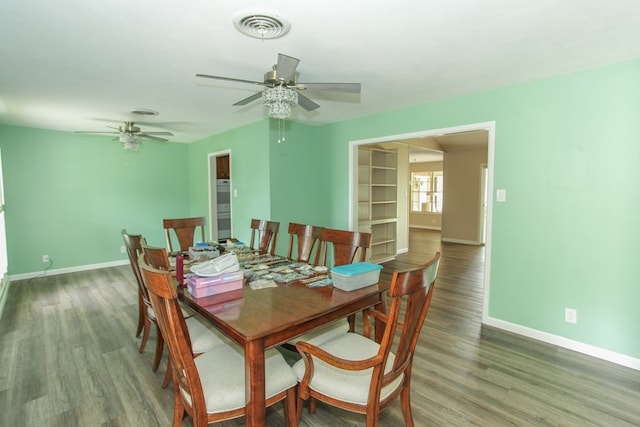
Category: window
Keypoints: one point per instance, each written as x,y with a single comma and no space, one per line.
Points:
426,191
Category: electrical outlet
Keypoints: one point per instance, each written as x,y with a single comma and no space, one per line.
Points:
570,315
45,258
123,249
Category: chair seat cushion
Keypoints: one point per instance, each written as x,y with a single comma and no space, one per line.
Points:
204,339
222,376
325,333
347,386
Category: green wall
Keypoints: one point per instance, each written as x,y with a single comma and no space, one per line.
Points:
566,151
301,171
69,195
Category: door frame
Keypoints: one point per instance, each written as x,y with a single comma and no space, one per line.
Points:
484,201
213,200
490,127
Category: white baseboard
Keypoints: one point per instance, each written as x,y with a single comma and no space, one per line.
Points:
56,271
461,241
4,291
600,353
425,227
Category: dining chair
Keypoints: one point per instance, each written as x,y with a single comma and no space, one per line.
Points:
265,234
346,245
358,374
202,338
211,387
185,231
133,244
305,238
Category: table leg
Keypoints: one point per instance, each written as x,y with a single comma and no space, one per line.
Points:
255,383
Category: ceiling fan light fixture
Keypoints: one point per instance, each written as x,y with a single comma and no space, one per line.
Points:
261,25
131,146
130,142
279,100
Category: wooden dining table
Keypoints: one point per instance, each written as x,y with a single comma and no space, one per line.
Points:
262,318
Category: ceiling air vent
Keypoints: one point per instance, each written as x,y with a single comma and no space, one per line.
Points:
261,25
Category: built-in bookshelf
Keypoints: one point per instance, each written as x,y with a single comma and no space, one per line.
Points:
378,200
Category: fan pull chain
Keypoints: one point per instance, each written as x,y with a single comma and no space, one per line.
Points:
281,131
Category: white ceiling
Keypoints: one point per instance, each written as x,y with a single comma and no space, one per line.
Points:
76,64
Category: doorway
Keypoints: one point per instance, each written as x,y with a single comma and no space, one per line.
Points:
220,206
412,138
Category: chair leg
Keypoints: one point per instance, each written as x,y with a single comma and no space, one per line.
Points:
373,419
142,314
145,335
178,409
405,402
313,405
290,408
299,409
167,375
159,349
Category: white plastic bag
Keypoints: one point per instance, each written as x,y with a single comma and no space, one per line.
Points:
226,263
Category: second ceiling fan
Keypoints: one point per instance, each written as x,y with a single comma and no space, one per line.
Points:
282,90
130,135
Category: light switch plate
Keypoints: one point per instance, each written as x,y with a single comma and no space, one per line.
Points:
501,195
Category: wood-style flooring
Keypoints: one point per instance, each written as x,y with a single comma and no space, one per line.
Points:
69,357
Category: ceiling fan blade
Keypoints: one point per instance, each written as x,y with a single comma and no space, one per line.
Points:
333,87
286,68
94,131
306,103
158,133
230,79
249,99
154,138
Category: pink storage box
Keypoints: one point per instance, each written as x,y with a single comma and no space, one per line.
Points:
207,286
204,281
208,291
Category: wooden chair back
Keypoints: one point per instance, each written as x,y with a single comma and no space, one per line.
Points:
133,244
306,237
410,293
173,327
156,257
159,259
185,230
346,245
265,234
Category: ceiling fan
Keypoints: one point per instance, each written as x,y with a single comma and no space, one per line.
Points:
130,135
283,91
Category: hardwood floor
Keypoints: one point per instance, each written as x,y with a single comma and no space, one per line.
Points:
69,357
